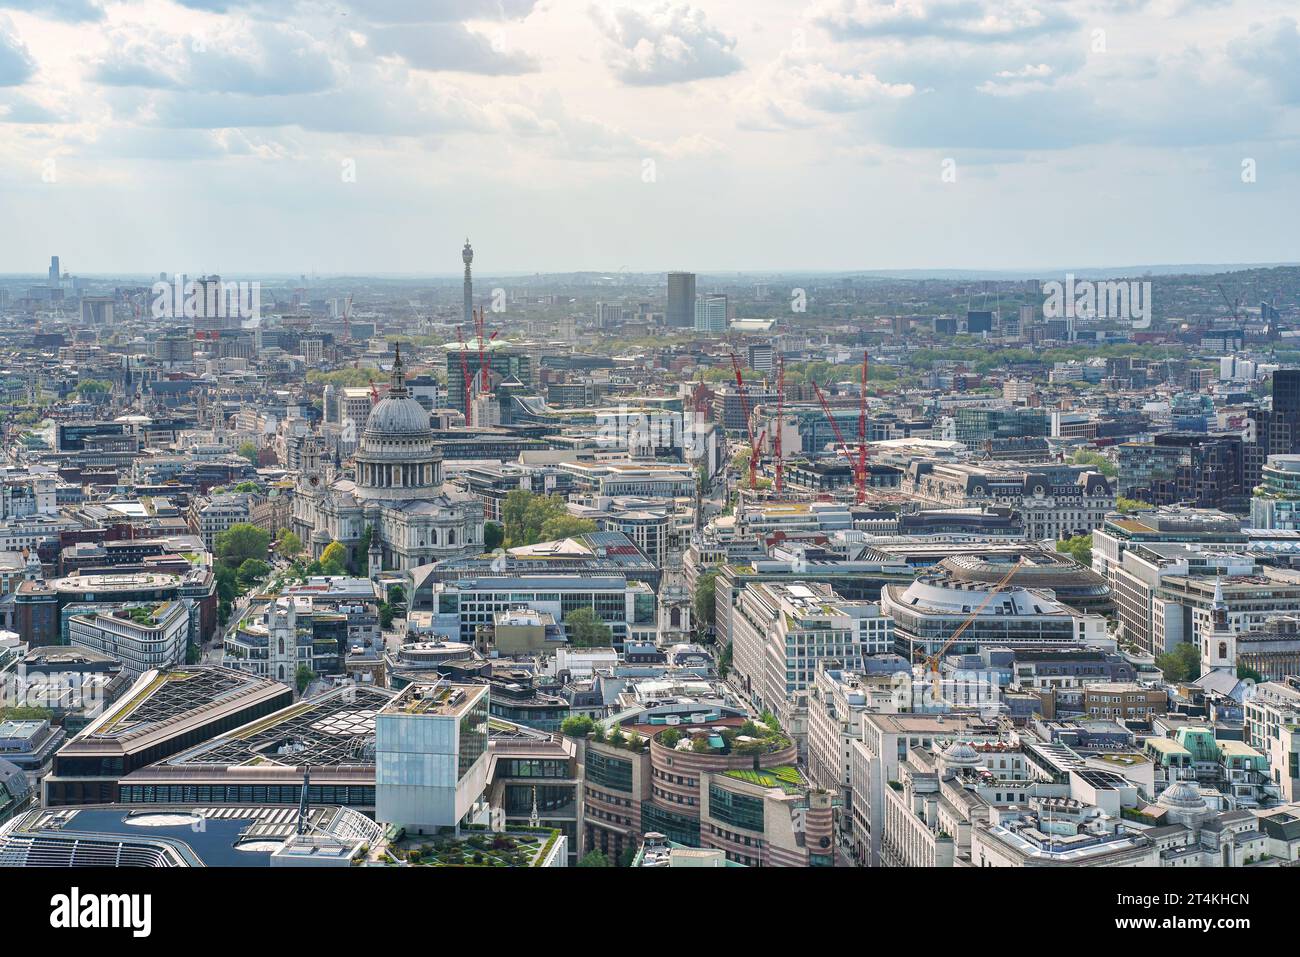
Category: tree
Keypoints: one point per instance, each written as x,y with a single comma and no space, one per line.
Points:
594,858
248,487
93,388
1098,461
227,584
565,526
1181,664
240,542
670,737
251,571
577,726
523,515
303,677
702,602
396,595
1247,673
248,450
1127,506
386,615
25,713
333,561
627,857
700,745
587,630
289,546
1079,547
493,536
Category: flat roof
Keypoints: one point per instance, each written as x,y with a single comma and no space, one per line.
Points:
433,700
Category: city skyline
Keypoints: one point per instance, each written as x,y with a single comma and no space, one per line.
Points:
821,136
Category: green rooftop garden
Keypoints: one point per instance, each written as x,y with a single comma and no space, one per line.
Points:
483,849
786,777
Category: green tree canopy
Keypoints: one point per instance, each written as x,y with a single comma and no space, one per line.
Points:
523,515
565,526
577,726
587,630
303,677
493,536
1079,547
251,571
1097,460
594,858
290,545
87,388
249,451
1127,506
334,559
1181,664
241,542
702,602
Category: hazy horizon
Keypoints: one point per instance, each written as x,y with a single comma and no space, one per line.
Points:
369,138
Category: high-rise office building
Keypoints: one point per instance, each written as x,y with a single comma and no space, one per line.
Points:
54,271
711,314
680,312
97,310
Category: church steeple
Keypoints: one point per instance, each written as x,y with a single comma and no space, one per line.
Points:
1219,647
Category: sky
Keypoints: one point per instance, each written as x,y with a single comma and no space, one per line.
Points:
374,136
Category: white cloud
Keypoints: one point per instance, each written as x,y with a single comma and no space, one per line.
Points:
969,20
16,64
796,91
672,43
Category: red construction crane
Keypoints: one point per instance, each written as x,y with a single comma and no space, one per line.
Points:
858,483
749,426
469,382
780,425
862,431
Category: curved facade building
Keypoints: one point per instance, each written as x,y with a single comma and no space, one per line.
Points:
749,801
927,612
1081,588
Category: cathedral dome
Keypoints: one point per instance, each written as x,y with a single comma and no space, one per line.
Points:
397,452
398,415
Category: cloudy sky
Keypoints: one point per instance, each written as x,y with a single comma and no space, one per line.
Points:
374,135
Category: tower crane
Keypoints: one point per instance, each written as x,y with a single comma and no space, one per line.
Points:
931,662
749,426
469,382
859,483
